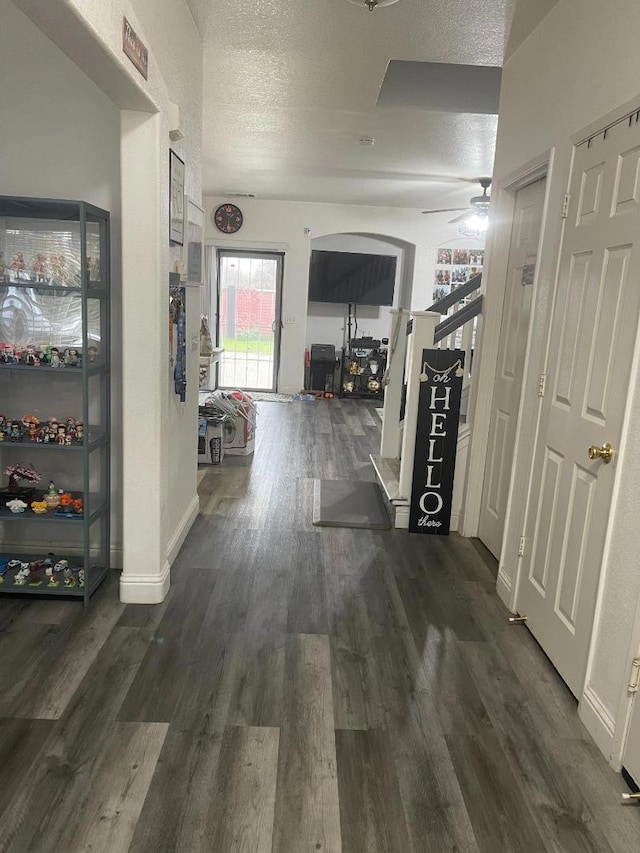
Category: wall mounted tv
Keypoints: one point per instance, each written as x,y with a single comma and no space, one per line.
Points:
350,277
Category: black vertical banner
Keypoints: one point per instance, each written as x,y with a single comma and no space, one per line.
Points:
436,441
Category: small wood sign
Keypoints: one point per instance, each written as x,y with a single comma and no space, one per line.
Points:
436,441
134,48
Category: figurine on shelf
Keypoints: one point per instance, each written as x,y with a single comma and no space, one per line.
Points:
30,357
53,579
17,473
15,431
71,357
81,578
78,506
52,499
22,575
66,499
16,506
92,353
39,268
7,354
59,274
79,432
61,434
39,507
69,579
54,357
35,569
19,268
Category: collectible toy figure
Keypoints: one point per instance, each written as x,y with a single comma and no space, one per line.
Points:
39,267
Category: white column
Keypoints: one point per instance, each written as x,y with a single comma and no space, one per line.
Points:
145,576
421,337
391,431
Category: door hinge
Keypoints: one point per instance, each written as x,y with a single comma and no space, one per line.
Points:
635,675
542,384
565,206
521,545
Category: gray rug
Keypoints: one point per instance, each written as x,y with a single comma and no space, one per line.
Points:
344,503
270,397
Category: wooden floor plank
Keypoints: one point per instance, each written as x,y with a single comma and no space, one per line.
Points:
177,809
21,742
307,815
371,814
104,815
244,795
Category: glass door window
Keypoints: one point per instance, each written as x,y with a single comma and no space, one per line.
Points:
249,321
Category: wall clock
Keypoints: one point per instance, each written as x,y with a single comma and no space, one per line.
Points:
228,218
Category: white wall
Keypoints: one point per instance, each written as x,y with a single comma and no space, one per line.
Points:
279,226
60,138
585,53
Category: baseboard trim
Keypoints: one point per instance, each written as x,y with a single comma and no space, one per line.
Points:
599,723
152,589
145,589
177,540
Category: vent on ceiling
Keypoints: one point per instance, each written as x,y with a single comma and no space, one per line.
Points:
239,195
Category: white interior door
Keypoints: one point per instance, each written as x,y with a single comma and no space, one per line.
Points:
593,335
631,757
523,253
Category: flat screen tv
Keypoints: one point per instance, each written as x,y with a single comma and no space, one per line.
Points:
350,277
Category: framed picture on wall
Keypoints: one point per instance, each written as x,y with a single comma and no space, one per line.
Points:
176,198
193,252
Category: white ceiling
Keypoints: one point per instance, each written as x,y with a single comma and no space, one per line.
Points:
290,86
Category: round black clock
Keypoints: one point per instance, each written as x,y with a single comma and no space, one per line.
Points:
228,218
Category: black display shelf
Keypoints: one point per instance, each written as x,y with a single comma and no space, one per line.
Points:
51,518
92,370
97,438
96,574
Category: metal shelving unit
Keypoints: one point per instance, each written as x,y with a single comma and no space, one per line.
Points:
55,292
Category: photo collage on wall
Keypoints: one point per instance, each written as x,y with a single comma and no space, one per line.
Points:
455,267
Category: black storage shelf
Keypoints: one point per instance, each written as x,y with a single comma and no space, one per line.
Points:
359,380
43,230
97,438
92,370
94,291
7,586
51,518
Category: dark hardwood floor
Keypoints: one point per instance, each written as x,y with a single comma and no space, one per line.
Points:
300,689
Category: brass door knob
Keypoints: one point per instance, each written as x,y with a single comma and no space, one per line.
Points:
605,452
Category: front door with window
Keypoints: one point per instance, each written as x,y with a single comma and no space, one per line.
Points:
591,345
249,322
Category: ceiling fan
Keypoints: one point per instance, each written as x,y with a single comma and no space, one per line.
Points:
477,214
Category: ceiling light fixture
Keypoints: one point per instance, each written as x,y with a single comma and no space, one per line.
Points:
373,4
478,221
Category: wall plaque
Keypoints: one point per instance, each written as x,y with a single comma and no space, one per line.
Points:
436,441
134,48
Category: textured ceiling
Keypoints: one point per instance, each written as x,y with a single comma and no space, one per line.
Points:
290,86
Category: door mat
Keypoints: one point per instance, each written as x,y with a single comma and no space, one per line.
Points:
345,503
269,397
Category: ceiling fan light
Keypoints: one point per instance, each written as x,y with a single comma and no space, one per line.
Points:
477,222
